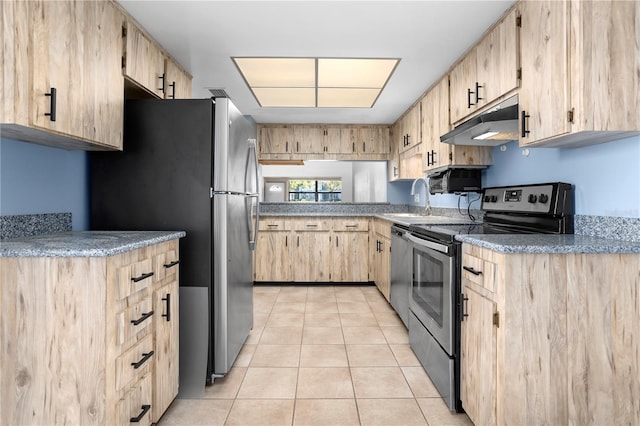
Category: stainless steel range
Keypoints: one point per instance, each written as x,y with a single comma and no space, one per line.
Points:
435,296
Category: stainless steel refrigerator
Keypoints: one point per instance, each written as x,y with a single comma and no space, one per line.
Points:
190,165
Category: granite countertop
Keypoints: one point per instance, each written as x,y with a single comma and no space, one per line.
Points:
543,243
84,243
415,219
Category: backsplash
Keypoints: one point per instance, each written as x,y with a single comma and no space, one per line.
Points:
28,225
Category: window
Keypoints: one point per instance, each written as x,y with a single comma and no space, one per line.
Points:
308,190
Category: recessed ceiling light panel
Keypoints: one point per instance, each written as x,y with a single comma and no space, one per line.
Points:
316,82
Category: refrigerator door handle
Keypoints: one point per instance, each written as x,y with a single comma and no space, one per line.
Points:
252,242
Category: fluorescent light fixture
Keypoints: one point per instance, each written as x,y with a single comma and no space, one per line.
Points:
485,135
316,82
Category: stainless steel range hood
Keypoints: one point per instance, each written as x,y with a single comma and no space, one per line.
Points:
493,127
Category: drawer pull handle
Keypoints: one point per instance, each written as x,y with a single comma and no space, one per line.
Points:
351,226
139,417
168,308
311,225
272,225
142,318
52,104
171,264
473,271
144,359
142,277
173,91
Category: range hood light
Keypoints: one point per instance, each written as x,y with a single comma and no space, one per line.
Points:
485,135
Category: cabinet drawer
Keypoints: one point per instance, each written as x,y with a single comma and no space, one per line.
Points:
351,224
311,224
382,228
273,224
135,407
132,321
166,262
134,363
478,271
134,277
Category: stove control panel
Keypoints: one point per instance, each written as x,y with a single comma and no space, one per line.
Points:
550,198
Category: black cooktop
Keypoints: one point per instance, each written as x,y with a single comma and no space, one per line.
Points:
448,232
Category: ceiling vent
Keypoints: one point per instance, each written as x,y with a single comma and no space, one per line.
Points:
219,93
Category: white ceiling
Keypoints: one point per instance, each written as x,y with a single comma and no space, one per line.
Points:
428,36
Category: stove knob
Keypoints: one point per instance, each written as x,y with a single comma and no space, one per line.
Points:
543,198
487,199
494,198
533,198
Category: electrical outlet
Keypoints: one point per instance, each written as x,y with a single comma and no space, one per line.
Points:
416,198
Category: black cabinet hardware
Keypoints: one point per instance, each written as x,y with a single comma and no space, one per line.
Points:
142,277
469,103
297,146
478,98
171,264
142,318
139,417
464,305
433,157
395,171
145,358
473,271
173,90
298,241
52,104
286,146
353,147
523,123
336,241
428,158
162,86
364,146
286,241
167,300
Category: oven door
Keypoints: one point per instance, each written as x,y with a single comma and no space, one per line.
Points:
432,289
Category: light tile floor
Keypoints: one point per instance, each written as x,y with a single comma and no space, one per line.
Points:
320,355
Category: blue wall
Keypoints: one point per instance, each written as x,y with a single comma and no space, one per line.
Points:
606,176
39,179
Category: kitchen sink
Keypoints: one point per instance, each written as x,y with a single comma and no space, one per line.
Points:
404,215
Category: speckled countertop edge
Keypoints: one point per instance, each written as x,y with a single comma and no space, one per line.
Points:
84,243
540,243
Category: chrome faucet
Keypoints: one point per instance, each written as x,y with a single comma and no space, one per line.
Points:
427,204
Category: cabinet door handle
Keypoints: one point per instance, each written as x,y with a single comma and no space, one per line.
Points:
523,123
145,358
162,86
167,300
336,241
139,417
297,146
364,147
469,103
171,264
433,157
478,98
395,171
473,271
428,158
286,241
298,241
52,104
173,90
286,146
311,225
142,277
464,307
143,318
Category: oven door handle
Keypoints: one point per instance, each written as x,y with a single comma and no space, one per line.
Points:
429,244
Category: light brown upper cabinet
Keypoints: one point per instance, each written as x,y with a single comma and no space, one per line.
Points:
177,81
62,83
308,139
143,61
580,72
276,142
393,164
488,71
410,125
435,122
334,142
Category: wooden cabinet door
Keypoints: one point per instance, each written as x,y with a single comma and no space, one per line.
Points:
272,258
104,87
276,140
478,372
307,139
178,82
350,257
166,371
144,61
311,256
350,139
393,164
497,61
384,267
544,89
58,54
334,143
412,135
373,140
463,79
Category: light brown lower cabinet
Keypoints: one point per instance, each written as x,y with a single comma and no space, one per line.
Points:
89,340
550,338
312,249
380,254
